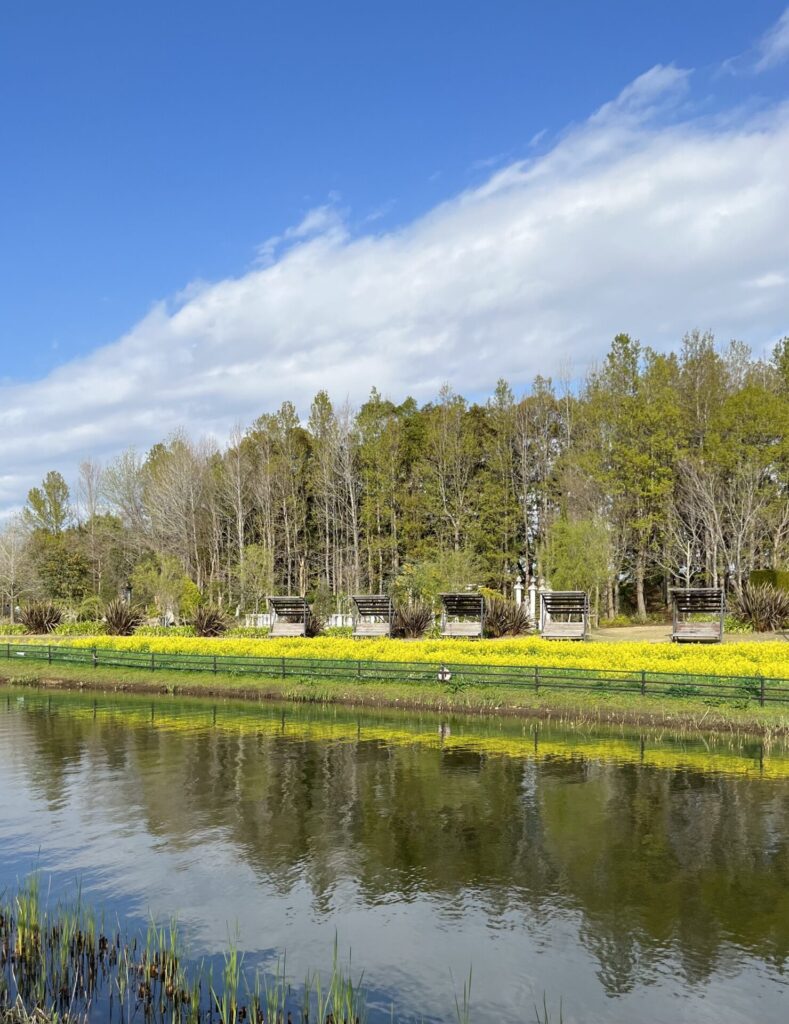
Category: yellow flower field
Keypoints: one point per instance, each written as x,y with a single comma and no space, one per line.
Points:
770,659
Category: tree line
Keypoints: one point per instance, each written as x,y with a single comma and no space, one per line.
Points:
660,470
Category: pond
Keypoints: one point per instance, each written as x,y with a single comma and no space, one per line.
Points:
630,877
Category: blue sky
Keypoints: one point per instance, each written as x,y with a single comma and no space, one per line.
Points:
176,174
149,144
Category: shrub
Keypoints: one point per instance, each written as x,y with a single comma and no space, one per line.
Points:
121,618
412,620
618,622
505,618
733,624
778,578
764,606
89,610
338,631
251,632
95,627
164,631
11,629
208,620
40,617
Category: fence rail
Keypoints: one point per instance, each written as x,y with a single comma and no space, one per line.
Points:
454,676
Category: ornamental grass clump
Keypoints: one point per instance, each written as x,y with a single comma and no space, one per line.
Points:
412,620
122,619
208,620
314,624
505,618
40,617
764,606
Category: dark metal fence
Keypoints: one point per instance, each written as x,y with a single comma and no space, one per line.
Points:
452,676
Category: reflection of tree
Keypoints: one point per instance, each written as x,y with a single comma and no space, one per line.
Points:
659,864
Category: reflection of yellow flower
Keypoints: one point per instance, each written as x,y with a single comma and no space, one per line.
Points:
770,660
723,757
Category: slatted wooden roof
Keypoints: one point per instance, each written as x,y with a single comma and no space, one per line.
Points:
368,605
699,599
463,605
289,607
565,602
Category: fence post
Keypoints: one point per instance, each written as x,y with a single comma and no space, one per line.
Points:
49,654
94,658
761,690
214,664
153,663
359,669
536,678
282,667
8,651
643,682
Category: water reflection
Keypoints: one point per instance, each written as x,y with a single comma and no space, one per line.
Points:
608,869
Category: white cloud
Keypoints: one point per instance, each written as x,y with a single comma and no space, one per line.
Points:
640,219
773,48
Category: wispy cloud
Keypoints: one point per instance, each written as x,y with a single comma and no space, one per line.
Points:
773,48
640,219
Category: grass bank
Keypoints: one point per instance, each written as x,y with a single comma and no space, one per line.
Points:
598,706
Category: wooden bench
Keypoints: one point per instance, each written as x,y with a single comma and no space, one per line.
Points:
564,615
462,615
372,615
696,601
289,616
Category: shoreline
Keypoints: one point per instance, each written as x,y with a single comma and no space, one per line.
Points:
605,709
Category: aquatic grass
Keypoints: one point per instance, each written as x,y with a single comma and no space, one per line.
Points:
60,967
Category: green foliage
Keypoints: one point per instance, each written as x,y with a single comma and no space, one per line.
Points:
322,601
164,631
121,618
577,555
444,573
90,609
338,631
82,627
617,622
61,567
47,506
40,617
256,575
208,620
160,584
250,632
764,606
733,624
778,578
11,629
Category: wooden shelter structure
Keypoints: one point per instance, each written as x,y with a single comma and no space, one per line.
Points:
462,615
697,615
289,616
564,615
372,615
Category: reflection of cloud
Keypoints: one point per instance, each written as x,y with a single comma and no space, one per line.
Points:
640,219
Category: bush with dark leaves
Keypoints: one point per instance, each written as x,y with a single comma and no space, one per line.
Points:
764,606
208,620
40,617
122,618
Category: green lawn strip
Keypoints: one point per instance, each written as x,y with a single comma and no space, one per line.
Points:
600,704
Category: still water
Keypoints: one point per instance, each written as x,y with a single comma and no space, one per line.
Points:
633,877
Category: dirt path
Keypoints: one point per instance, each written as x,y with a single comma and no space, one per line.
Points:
662,635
